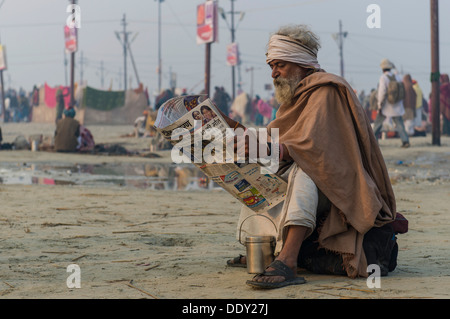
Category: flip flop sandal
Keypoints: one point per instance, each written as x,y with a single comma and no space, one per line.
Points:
236,262
280,269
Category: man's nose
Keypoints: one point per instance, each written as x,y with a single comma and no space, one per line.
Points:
275,73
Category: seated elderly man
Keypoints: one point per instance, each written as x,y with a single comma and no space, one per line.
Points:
339,206
67,133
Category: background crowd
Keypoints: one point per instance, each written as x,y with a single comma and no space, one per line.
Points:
257,111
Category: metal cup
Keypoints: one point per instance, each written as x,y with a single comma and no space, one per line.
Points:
34,145
260,253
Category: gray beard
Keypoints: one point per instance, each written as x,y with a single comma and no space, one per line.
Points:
285,88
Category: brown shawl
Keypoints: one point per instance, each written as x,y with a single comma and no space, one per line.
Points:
329,136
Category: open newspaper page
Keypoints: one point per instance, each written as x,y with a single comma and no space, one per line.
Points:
198,133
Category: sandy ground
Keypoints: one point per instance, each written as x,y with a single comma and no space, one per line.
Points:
134,243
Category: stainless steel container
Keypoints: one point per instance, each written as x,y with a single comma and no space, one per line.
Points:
34,145
260,253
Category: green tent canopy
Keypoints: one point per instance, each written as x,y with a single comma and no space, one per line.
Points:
102,100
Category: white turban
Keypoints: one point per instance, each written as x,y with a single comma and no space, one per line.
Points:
386,64
288,49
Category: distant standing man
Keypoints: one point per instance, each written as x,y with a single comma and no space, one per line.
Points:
388,109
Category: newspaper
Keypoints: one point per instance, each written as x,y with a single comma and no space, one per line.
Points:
245,181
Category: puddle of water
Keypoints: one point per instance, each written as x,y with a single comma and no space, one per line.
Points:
147,176
179,177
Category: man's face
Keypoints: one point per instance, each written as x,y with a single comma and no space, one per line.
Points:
286,76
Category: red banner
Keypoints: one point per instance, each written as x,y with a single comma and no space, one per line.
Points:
70,35
207,22
232,54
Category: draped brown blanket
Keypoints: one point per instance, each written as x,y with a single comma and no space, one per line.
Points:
329,136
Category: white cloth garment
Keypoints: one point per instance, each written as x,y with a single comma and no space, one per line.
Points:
299,208
284,48
388,109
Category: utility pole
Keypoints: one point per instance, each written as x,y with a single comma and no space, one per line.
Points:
3,94
81,67
125,46
72,79
233,30
232,41
207,17
125,41
251,69
72,67
339,38
120,78
159,46
132,61
2,83
435,85
207,68
102,79
173,79
65,68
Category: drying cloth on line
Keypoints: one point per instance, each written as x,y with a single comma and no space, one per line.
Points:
103,100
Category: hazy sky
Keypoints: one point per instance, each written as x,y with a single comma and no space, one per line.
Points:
32,31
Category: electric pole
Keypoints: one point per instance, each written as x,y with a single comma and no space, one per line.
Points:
120,78
65,68
102,79
207,68
2,83
232,41
81,67
233,30
159,46
3,109
72,64
435,85
124,43
339,38
251,69
126,48
207,17
132,61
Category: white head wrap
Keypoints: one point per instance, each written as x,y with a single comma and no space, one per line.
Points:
288,49
386,64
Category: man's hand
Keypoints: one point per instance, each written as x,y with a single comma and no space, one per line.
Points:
247,144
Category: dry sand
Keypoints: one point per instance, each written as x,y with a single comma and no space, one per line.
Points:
138,243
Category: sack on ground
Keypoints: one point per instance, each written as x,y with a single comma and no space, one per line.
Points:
379,244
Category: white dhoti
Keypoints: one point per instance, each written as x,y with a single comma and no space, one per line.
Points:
299,208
